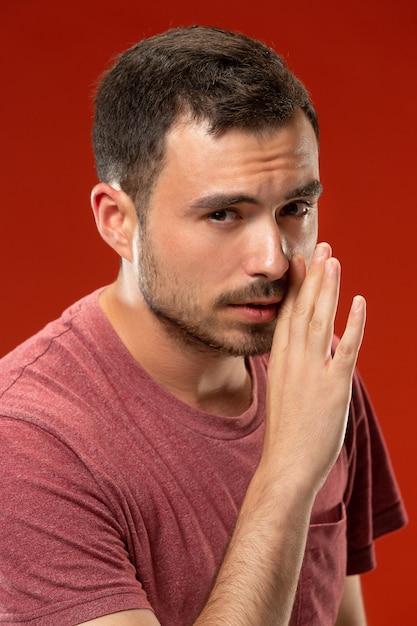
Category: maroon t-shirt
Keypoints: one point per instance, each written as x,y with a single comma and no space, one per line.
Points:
116,495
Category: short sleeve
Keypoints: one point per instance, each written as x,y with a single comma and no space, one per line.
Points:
373,500
63,557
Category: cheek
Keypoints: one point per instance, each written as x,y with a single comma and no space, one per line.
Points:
181,259
310,243
303,241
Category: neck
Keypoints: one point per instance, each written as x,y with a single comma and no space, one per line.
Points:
212,382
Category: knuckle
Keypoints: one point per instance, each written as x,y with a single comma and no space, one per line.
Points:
285,310
345,358
316,324
300,308
346,351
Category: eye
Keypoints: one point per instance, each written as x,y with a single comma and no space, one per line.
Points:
223,215
298,208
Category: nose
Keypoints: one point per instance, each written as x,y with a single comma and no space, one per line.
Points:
267,250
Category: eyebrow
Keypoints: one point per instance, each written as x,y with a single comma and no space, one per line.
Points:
216,200
314,189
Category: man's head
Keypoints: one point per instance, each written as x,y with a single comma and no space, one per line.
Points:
207,147
223,78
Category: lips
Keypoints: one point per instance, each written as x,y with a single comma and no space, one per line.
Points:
257,312
259,303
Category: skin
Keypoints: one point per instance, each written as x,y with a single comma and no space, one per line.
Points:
247,247
226,266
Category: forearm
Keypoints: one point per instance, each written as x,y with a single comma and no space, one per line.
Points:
352,608
257,581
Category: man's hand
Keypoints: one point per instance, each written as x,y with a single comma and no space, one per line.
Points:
309,390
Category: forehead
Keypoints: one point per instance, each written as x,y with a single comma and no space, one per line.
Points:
194,157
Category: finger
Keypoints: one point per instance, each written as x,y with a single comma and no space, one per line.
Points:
321,327
305,302
346,353
296,277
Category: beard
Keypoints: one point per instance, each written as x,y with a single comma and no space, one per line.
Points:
176,305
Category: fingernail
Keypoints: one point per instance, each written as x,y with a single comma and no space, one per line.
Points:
358,303
320,251
330,265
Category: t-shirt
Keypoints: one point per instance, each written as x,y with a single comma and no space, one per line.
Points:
116,495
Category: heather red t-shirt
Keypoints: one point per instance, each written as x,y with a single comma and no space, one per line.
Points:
116,495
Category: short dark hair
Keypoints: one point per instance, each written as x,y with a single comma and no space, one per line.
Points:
225,78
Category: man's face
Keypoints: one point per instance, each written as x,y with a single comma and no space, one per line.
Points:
224,218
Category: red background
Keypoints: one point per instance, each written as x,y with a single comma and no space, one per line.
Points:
358,60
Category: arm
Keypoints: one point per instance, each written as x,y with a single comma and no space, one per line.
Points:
307,408
352,609
308,401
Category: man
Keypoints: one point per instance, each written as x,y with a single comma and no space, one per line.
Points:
190,444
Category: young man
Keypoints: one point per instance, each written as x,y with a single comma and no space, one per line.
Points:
190,444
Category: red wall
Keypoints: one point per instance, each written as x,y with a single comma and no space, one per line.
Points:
358,60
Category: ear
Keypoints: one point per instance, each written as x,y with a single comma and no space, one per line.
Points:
115,216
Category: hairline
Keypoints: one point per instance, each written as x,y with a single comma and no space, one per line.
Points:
187,117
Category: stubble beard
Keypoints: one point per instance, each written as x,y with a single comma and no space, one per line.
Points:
185,322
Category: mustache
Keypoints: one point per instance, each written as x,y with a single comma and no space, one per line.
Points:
258,290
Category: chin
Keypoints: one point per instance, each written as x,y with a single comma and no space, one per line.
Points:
249,346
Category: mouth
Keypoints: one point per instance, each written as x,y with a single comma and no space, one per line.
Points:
257,312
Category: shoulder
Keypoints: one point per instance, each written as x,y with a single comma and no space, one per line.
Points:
54,366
